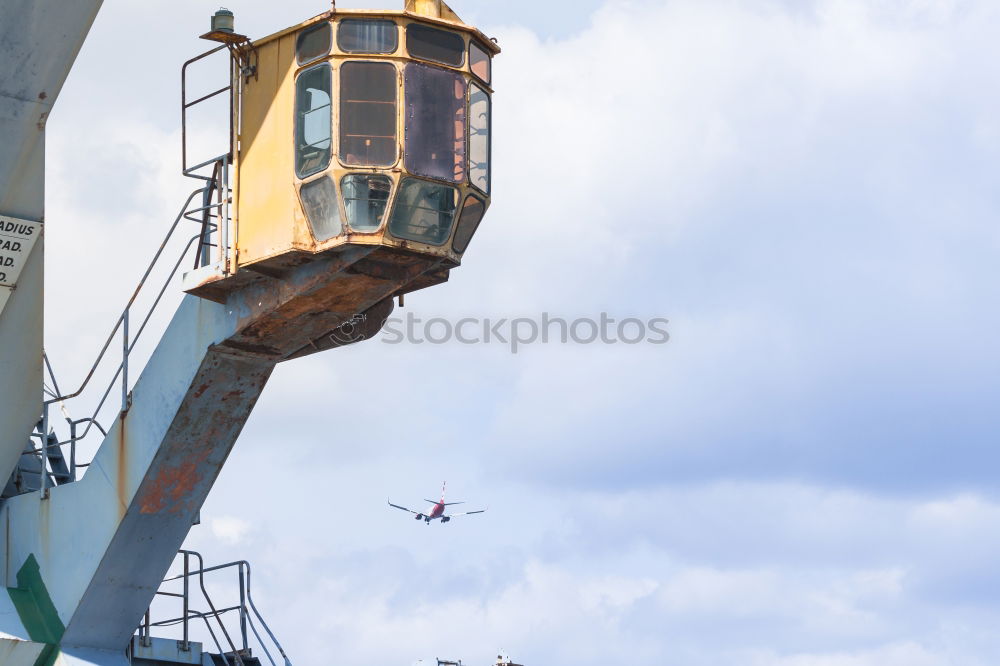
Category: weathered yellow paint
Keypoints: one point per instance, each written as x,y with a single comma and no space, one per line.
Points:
269,215
432,9
270,224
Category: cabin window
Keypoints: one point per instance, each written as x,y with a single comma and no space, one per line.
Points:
313,43
427,43
368,114
312,121
435,122
479,138
319,201
367,36
479,62
424,211
468,222
365,199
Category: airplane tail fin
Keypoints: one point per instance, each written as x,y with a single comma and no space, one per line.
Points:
442,502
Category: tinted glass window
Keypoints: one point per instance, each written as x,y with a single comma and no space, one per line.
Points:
424,212
365,198
368,114
435,122
312,121
313,43
319,201
468,222
479,138
479,62
367,36
429,43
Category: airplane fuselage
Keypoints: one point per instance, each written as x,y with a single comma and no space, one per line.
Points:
436,512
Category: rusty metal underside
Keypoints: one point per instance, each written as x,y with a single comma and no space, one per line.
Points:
328,290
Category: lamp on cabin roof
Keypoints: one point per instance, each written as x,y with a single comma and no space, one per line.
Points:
224,28
223,21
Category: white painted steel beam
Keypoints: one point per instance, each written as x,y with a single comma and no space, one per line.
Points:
39,41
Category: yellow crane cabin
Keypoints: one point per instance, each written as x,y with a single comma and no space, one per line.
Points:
359,129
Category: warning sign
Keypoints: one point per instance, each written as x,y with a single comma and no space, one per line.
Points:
17,237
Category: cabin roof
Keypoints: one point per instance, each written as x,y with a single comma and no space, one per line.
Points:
372,13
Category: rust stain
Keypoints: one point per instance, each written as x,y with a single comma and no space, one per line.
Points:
121,478
201,390
44,530
232,395
42,95
173,486
41,120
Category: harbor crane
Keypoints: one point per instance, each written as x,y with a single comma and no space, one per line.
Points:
358,170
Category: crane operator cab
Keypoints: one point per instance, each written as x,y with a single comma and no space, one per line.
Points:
359,135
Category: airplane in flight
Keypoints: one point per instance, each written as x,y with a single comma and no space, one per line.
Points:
436,511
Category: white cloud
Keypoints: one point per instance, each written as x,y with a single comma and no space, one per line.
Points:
230,530
904,654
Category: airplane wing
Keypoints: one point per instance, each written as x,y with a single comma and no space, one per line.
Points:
396,506
467,513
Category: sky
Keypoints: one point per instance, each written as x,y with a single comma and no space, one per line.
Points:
803,475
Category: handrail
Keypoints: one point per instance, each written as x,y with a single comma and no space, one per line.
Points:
185,169
263,646
52,375
208,625
194,613
247,609
177,620
131,300
124,316
253,606
201,584
123,366
218,183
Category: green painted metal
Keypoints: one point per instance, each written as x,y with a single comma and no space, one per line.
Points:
37,612
48,656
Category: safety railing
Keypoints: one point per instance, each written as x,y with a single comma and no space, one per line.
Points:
229,627
187,105
215,218
212,214
213,246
